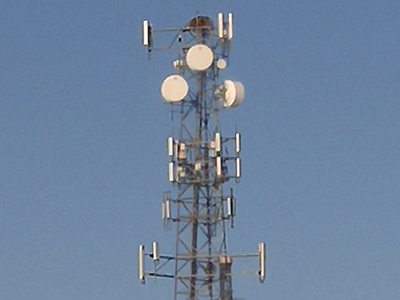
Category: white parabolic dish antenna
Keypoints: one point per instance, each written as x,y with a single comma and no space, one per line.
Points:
234,93
174,88
221,64
199,57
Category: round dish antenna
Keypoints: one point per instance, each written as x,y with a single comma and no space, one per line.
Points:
221,64
199,57
234,93
174,88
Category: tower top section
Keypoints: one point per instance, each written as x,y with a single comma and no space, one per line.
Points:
194,32
200,23
203,48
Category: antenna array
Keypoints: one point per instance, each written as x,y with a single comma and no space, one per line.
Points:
202,161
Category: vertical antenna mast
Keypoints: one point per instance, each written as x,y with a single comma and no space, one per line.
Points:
200,165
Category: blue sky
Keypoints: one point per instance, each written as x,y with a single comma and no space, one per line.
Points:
83,129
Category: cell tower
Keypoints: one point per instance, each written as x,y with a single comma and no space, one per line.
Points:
203,163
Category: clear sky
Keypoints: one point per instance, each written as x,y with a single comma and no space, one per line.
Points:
83,130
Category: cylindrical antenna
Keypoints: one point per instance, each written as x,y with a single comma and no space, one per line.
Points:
221,25
156,254
217,142
230,26
170,146
219,166
176,149
171,171
262,259
167,209
229,207
238,168
141,264
145,33
163,217
237,142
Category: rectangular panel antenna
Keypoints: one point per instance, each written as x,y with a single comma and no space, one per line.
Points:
219,166
163,217
168,209
176,147
238,167
171,171
231,207
145,33
217,142
141,264
170,146
221,25
156,254
237,142
230,26
262,259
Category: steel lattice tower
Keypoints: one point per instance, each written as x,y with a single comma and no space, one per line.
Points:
201,166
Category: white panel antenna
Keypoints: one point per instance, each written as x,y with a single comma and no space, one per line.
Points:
171,171
231,207
217,142
156,253
230,26
219,166
141,264
262,261
221,25
145,33
163,216
237,142
238,168
166,210
170,146
147,36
